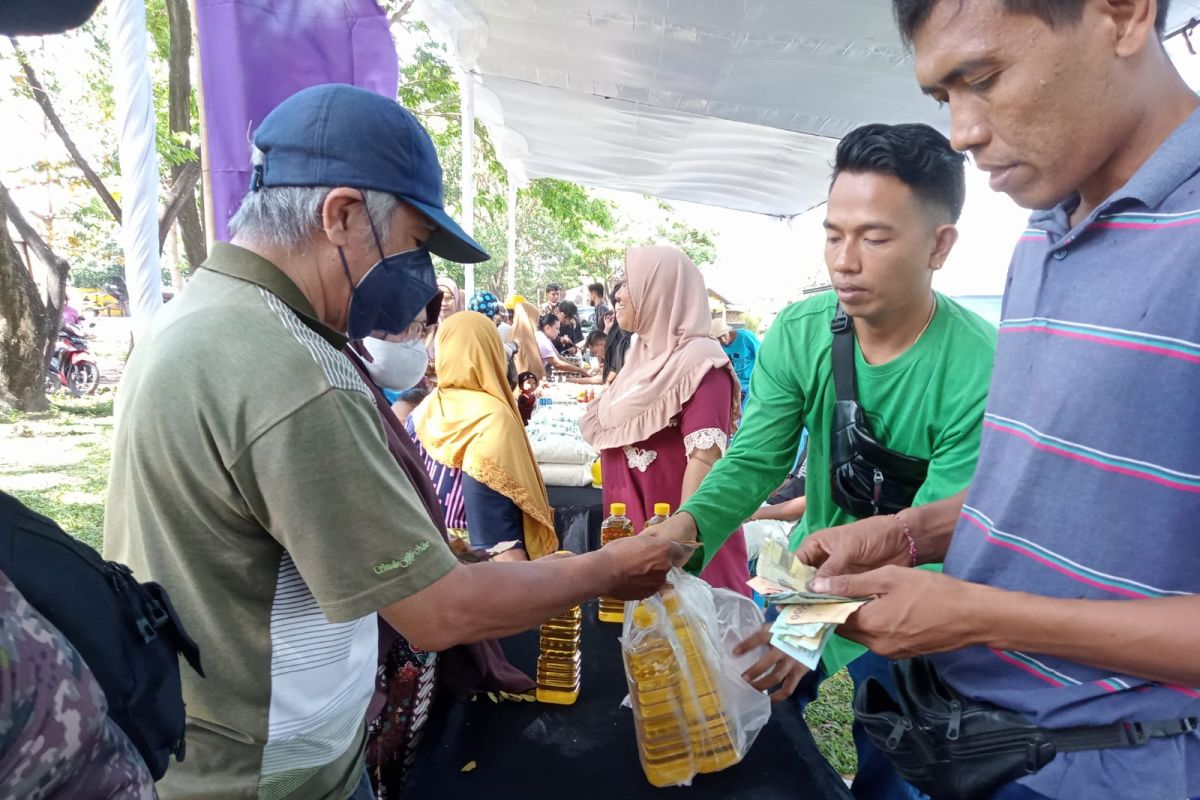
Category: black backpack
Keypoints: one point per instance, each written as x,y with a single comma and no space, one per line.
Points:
126,631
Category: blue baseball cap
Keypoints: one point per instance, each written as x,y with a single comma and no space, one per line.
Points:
340,135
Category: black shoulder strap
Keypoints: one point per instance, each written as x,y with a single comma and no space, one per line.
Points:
843,355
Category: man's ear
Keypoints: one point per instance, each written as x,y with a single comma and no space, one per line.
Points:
945,238
338,211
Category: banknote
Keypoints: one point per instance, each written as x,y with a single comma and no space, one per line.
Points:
809,657
778,564
824,613
778,595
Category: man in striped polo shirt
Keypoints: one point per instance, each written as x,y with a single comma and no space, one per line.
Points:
1072,562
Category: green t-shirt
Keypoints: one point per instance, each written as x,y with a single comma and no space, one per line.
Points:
251,477
927,403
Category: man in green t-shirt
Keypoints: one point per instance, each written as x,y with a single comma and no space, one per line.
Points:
251,475
922,361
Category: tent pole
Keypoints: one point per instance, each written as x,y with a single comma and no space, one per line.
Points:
138,155
512,235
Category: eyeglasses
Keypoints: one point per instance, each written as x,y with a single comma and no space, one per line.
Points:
416,330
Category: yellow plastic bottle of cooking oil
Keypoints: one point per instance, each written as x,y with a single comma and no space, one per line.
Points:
559,658
709,731
659,718
662,513
617,526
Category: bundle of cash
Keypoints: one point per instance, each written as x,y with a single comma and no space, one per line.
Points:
806,618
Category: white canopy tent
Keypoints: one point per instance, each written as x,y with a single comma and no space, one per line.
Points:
735,103
731,103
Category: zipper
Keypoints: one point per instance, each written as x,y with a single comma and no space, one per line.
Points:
878,490
903,726
955,720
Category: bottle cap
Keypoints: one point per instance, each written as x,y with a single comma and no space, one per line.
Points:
617,509
662,509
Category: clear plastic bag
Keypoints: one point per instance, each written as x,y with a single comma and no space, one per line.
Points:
692,711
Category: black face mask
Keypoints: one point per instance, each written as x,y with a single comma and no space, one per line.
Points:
392,293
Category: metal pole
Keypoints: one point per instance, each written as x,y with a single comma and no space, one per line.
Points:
512,236
468,171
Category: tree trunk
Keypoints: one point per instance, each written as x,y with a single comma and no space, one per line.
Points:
28,320
43,99
173,260
181,195
179,98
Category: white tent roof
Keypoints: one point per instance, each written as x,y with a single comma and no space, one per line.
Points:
1181,14
734,103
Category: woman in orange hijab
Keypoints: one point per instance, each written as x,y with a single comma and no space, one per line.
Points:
524,335
475,445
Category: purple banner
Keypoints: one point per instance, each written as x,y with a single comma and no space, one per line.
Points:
256,53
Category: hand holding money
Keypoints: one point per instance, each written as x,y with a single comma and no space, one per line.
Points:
808,618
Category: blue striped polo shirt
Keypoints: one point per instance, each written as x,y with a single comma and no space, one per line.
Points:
1088,481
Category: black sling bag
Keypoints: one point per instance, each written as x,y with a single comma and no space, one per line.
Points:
867,478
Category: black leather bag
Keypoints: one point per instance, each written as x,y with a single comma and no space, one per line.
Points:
954,748
867,478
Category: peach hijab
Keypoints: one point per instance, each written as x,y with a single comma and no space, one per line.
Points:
669,356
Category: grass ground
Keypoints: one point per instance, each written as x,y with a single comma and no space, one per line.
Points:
830,718
57,464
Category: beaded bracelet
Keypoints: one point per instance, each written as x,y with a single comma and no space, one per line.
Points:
912,543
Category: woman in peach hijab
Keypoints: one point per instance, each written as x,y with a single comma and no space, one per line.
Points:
667,417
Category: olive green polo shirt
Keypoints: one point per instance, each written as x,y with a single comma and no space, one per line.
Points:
252,478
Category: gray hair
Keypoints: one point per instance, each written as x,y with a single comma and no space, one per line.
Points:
286,216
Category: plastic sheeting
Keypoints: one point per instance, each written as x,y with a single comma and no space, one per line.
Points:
736,103
139,161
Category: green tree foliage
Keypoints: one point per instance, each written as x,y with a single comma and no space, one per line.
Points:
86,233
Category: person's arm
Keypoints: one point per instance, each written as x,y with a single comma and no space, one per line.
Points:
758,458
787,511
323,484
491,600
704,423
917,612
566,366
878,541
699,465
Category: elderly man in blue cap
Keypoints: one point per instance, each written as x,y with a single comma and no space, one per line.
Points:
251,475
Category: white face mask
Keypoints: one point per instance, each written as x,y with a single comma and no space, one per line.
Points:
397,365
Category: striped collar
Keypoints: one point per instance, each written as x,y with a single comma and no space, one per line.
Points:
246,265
1175,161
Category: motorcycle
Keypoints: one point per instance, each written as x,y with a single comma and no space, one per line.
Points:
72,367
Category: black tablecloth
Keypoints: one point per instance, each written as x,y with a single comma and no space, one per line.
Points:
527,751
578,514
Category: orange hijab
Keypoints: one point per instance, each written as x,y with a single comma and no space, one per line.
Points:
471,422
669,356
